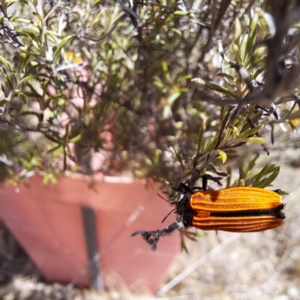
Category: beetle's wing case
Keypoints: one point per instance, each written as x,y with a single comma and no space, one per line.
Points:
235,199
241,224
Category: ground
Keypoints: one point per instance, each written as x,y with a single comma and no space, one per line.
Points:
226,266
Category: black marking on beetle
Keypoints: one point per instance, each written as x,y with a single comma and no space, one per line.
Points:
275,212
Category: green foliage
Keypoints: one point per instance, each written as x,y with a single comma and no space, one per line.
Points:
94,78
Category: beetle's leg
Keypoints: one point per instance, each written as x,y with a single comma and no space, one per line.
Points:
196,189
205,179
152,237
204,182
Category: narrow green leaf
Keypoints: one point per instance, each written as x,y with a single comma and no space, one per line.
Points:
200,138
166,71
24,79
183,245
252,162
158,82
178,32
75,139
54,139
235,131
252,38
237,54
251,131
3,101
267,181
6,63
256,140
242,119
96,2
214,87
24,57
262,173
183,78
238,29
10,79
64,41
242,174
164,66
173,97
54,149
179,158
180,13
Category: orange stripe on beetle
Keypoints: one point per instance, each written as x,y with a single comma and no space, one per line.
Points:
237,209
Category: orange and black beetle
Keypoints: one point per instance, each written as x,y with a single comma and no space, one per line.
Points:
237,209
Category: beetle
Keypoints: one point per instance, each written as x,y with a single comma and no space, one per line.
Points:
236,209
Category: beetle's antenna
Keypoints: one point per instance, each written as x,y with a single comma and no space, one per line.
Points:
160,196
164,219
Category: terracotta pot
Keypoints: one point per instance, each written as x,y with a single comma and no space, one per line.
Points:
63,226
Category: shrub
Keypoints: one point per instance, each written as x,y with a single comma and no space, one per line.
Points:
161,90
